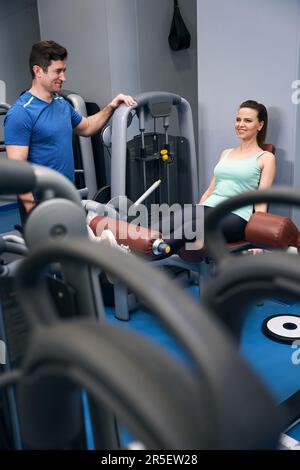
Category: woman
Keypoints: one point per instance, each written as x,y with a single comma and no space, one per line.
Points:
243,168
240,169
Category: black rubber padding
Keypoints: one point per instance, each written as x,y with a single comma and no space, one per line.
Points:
216,362
155,396
16,177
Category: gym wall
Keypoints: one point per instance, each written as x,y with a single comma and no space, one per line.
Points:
19,29
248,50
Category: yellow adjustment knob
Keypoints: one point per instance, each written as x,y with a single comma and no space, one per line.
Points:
164,152
167,250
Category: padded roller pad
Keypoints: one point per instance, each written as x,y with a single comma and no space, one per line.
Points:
271,230
264,230
139,239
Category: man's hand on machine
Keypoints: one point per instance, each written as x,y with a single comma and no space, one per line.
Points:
127,99
90,125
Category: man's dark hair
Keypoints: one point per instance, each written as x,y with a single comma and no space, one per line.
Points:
43,52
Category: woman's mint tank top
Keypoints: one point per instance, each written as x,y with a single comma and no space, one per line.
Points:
235,177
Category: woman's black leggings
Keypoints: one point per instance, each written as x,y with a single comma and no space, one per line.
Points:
232,226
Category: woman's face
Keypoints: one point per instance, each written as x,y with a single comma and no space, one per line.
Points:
247,124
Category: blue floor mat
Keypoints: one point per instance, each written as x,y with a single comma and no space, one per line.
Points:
271,360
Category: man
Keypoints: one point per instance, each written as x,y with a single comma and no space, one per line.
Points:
39,125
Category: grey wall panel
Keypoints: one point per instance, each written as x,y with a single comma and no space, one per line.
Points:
160,67
247,50
19,29
82,28
123,46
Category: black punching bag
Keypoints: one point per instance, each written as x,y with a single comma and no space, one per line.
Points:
179,37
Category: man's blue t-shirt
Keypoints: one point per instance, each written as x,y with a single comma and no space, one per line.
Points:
46,128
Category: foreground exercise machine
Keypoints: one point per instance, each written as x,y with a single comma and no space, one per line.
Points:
243,281
129,375
65,354
58,216
9,318
264,273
